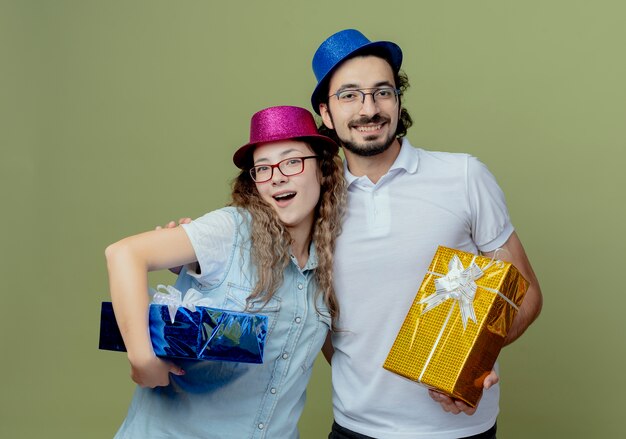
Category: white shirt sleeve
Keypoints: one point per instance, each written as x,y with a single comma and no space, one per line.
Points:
491,225
212,237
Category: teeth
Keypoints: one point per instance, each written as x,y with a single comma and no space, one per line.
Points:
284,196
369,128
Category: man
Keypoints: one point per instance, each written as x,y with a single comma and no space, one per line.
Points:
403,203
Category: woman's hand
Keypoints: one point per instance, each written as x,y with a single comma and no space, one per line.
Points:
152,371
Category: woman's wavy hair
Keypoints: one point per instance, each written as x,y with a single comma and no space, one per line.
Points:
402,83
271,239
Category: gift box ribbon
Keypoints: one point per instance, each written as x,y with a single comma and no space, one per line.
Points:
174,299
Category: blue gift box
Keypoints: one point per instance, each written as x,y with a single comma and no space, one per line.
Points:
206,334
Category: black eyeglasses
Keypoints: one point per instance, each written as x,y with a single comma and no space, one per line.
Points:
287,167
354,95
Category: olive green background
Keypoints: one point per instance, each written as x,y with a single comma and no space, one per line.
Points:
116,116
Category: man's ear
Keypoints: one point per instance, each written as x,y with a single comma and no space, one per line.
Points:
326,117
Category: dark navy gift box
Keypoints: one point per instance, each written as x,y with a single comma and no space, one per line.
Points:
206,334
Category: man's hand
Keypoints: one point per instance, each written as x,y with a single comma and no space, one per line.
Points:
456,406
171,225
153,372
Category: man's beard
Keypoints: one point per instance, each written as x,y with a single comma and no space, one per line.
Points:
370,147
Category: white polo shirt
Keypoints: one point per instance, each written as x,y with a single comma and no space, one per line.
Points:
390,235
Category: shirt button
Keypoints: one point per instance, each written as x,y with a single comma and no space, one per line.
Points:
300,286
261,426
285,356
273,391
298,319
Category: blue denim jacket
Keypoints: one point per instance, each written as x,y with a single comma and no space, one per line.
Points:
236,400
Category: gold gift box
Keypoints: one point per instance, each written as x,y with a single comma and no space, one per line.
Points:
441,348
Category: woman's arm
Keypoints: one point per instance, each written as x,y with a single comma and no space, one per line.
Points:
128,262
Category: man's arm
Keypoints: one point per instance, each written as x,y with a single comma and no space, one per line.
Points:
514,252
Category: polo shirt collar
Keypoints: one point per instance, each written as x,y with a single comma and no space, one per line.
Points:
407,160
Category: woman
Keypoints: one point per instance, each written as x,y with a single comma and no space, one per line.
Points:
270,251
